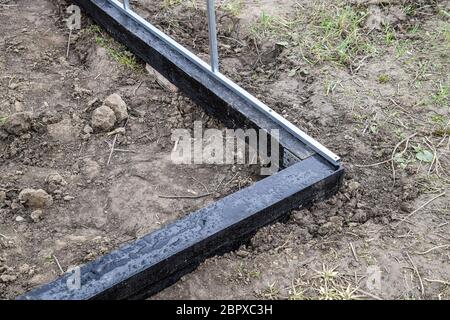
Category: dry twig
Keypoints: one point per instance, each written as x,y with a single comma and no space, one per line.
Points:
186,197
112,150
432,249
422,288
59,265
420,208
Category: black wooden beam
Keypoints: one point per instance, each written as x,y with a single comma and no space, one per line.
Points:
157,260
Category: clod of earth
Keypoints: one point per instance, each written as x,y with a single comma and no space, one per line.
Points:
36,215
90,169
5,278
3,134
55,179
54,182
333,226
2,198
35,199
18,123
103,118
360,216
24,269
15,205
116,104
88,129
18,106
62,131
353,186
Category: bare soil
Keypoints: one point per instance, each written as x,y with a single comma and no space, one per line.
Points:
386,235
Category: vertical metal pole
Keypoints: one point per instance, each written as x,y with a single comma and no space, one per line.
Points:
213,51
126,4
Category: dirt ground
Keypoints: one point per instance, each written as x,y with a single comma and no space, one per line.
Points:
368,79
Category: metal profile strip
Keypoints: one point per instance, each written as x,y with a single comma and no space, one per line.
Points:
276,117
213,50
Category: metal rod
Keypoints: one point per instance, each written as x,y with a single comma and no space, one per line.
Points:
294,130
126,4
213,51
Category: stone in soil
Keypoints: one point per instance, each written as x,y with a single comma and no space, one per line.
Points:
103,118
116,104
35,199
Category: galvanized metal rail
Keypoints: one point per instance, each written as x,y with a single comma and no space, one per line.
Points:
213,49
213,69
